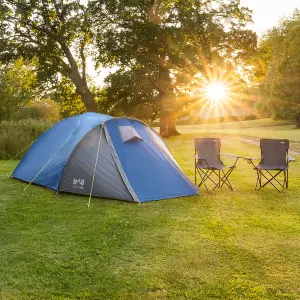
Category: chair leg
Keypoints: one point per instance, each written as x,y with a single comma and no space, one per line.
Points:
269,180
203,178
222,178
260,176
195,162
225,178
217,173
206,175
257,179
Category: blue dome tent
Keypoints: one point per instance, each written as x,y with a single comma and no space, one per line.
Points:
94,154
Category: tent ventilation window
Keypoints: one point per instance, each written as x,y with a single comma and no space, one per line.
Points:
129,134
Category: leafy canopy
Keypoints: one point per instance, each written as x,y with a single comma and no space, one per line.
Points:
161,45
279,69
57,32
18,85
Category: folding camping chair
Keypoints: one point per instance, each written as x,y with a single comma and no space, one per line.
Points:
274,161
209,165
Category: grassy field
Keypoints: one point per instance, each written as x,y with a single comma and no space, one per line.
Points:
228,245
264,128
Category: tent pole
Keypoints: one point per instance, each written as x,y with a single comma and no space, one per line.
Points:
98,150
47,163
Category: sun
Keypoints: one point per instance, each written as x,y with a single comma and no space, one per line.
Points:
216,92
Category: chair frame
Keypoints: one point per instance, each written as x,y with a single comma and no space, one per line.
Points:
270,177
222,176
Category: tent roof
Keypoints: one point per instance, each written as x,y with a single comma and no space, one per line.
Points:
57,143
92,118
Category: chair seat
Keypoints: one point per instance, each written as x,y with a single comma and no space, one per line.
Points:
211,167
272,167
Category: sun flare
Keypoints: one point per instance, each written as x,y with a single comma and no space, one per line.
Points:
216,92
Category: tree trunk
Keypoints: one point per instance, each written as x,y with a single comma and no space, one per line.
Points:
167,105
297,121
88,99
78,79
83,90
168,124
164,132
172,125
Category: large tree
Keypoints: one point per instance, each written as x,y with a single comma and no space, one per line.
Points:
160,45
57,32
278,69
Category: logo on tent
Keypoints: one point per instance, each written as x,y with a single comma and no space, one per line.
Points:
78,183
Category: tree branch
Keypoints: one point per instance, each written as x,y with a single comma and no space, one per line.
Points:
83,61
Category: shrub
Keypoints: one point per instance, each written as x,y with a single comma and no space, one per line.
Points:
16,135
24,113
249,118
46,109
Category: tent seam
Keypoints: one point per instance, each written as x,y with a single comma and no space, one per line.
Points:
119,166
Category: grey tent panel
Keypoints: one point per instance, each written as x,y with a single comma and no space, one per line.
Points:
78,174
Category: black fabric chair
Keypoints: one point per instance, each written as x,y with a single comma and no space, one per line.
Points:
208,164
274,161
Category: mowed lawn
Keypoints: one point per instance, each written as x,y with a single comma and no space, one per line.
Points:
264,128
228,245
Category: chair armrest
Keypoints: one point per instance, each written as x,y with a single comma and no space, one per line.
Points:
253,158
203,159
198,157
290,158
229,155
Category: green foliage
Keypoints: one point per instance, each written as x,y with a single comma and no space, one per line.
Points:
18,85
17,135
48,109
280,69
69,100
58,33
161,45
22,95
26,112
132,93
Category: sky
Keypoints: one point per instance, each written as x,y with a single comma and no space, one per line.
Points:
267,13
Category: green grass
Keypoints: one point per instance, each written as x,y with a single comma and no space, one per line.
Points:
246,124
264,128
228,245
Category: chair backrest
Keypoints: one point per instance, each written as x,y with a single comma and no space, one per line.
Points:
274,152
209,149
